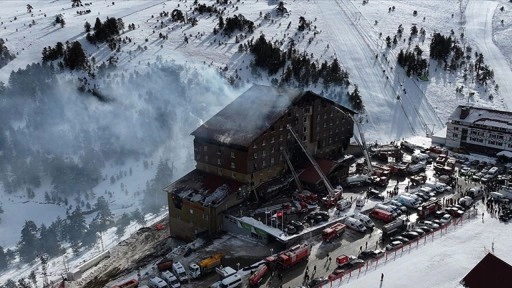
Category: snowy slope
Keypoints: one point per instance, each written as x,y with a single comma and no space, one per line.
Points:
442,263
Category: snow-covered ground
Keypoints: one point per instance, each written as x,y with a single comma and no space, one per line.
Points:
441,263
348,30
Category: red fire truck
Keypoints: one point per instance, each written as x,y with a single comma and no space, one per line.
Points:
289,257
332,232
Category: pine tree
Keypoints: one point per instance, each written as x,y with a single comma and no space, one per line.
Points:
138,217
3,259
121,224
87,27
75,57
75,227
28,245
49,242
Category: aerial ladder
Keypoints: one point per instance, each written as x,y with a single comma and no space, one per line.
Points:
361,141
294,173
326,182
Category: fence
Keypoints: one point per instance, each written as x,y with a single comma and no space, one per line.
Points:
403,250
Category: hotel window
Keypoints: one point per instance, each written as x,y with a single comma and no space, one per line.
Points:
273,140
233,165
255,155
263,154
205,148
263,144
218,161
263,164
305,129
232,154
455,135
305,119
206,158
272,161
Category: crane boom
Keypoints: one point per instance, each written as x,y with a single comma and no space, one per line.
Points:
315,165
362,143
294,173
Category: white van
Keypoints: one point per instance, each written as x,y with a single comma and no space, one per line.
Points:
179,272
386,208
407,201
367,221
231,282
343,204
170,279
360,202
355,224
156,282
493,171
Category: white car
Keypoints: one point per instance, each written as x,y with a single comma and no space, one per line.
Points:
446,218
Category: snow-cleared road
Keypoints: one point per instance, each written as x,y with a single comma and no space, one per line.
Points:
479,16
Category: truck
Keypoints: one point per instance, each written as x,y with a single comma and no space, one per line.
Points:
429,208
332,232
164,264
290,257
205,265
256,278
225,272
132,283
398,224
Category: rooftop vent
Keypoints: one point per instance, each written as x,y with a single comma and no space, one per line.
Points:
464,112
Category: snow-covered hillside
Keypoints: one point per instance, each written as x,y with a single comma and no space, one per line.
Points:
353,31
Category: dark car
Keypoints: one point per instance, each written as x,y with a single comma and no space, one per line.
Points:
410,235
353,264
399,238
290,229
318,282
439,214
370,254
375,195
419,231
425,229
394,245
298,226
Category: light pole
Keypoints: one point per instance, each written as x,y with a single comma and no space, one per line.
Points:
238,265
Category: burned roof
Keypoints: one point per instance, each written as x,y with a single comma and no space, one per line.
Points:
491,271
483,116
204,188
251,114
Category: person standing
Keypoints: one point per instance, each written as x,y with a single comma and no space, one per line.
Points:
381,277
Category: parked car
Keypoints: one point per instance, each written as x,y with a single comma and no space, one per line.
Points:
454,212
427,223
394,245
410,235
352,264
298,226
370,254
418,230
399,238
425,229
336,274
464,171
396,204
318,282
445,219
439,214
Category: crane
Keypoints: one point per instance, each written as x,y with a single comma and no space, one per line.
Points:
327,184
295,176
361,141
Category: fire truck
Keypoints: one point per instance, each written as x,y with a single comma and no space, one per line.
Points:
290,257
332,232
428,208
256,277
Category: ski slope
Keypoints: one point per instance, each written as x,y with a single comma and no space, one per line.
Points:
479,16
